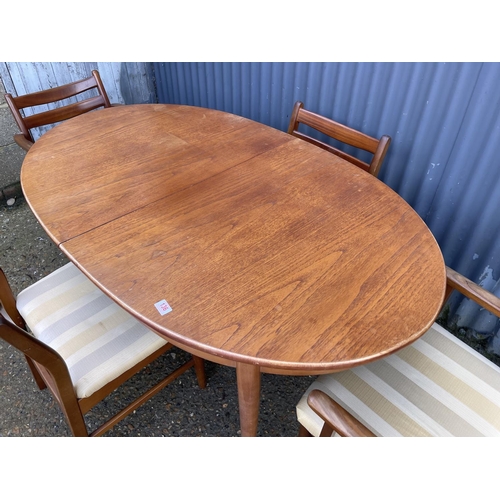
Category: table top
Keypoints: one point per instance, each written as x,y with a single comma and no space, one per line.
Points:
267,249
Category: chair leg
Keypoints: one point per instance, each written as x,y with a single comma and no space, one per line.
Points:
76,423
36,375
303,432
199,367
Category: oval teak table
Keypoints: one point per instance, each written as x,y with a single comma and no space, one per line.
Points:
272,254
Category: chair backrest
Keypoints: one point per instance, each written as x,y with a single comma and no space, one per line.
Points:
60,113
342,133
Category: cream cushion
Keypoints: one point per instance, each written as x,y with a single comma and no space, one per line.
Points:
97,339
437,386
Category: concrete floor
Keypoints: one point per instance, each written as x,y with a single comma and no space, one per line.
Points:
181,409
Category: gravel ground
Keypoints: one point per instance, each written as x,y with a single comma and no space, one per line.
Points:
181,409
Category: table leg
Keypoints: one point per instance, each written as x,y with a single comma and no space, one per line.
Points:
248,378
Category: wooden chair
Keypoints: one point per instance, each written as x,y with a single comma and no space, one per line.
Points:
437,386
342,133
63,112
82,345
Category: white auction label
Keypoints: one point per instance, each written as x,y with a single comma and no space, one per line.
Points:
163,307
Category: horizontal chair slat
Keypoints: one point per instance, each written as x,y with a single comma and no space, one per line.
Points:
64,113
345,134
54,94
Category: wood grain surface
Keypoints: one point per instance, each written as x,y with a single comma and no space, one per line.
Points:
269,250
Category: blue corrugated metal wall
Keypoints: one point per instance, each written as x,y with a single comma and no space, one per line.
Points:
444,122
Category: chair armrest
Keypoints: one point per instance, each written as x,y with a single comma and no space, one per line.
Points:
335,417
473,291
23,142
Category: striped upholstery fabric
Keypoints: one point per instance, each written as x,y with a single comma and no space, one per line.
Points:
437,386
97,338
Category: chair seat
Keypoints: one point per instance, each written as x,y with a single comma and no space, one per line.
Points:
97,339
437,386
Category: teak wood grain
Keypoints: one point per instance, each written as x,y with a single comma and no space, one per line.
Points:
270,251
